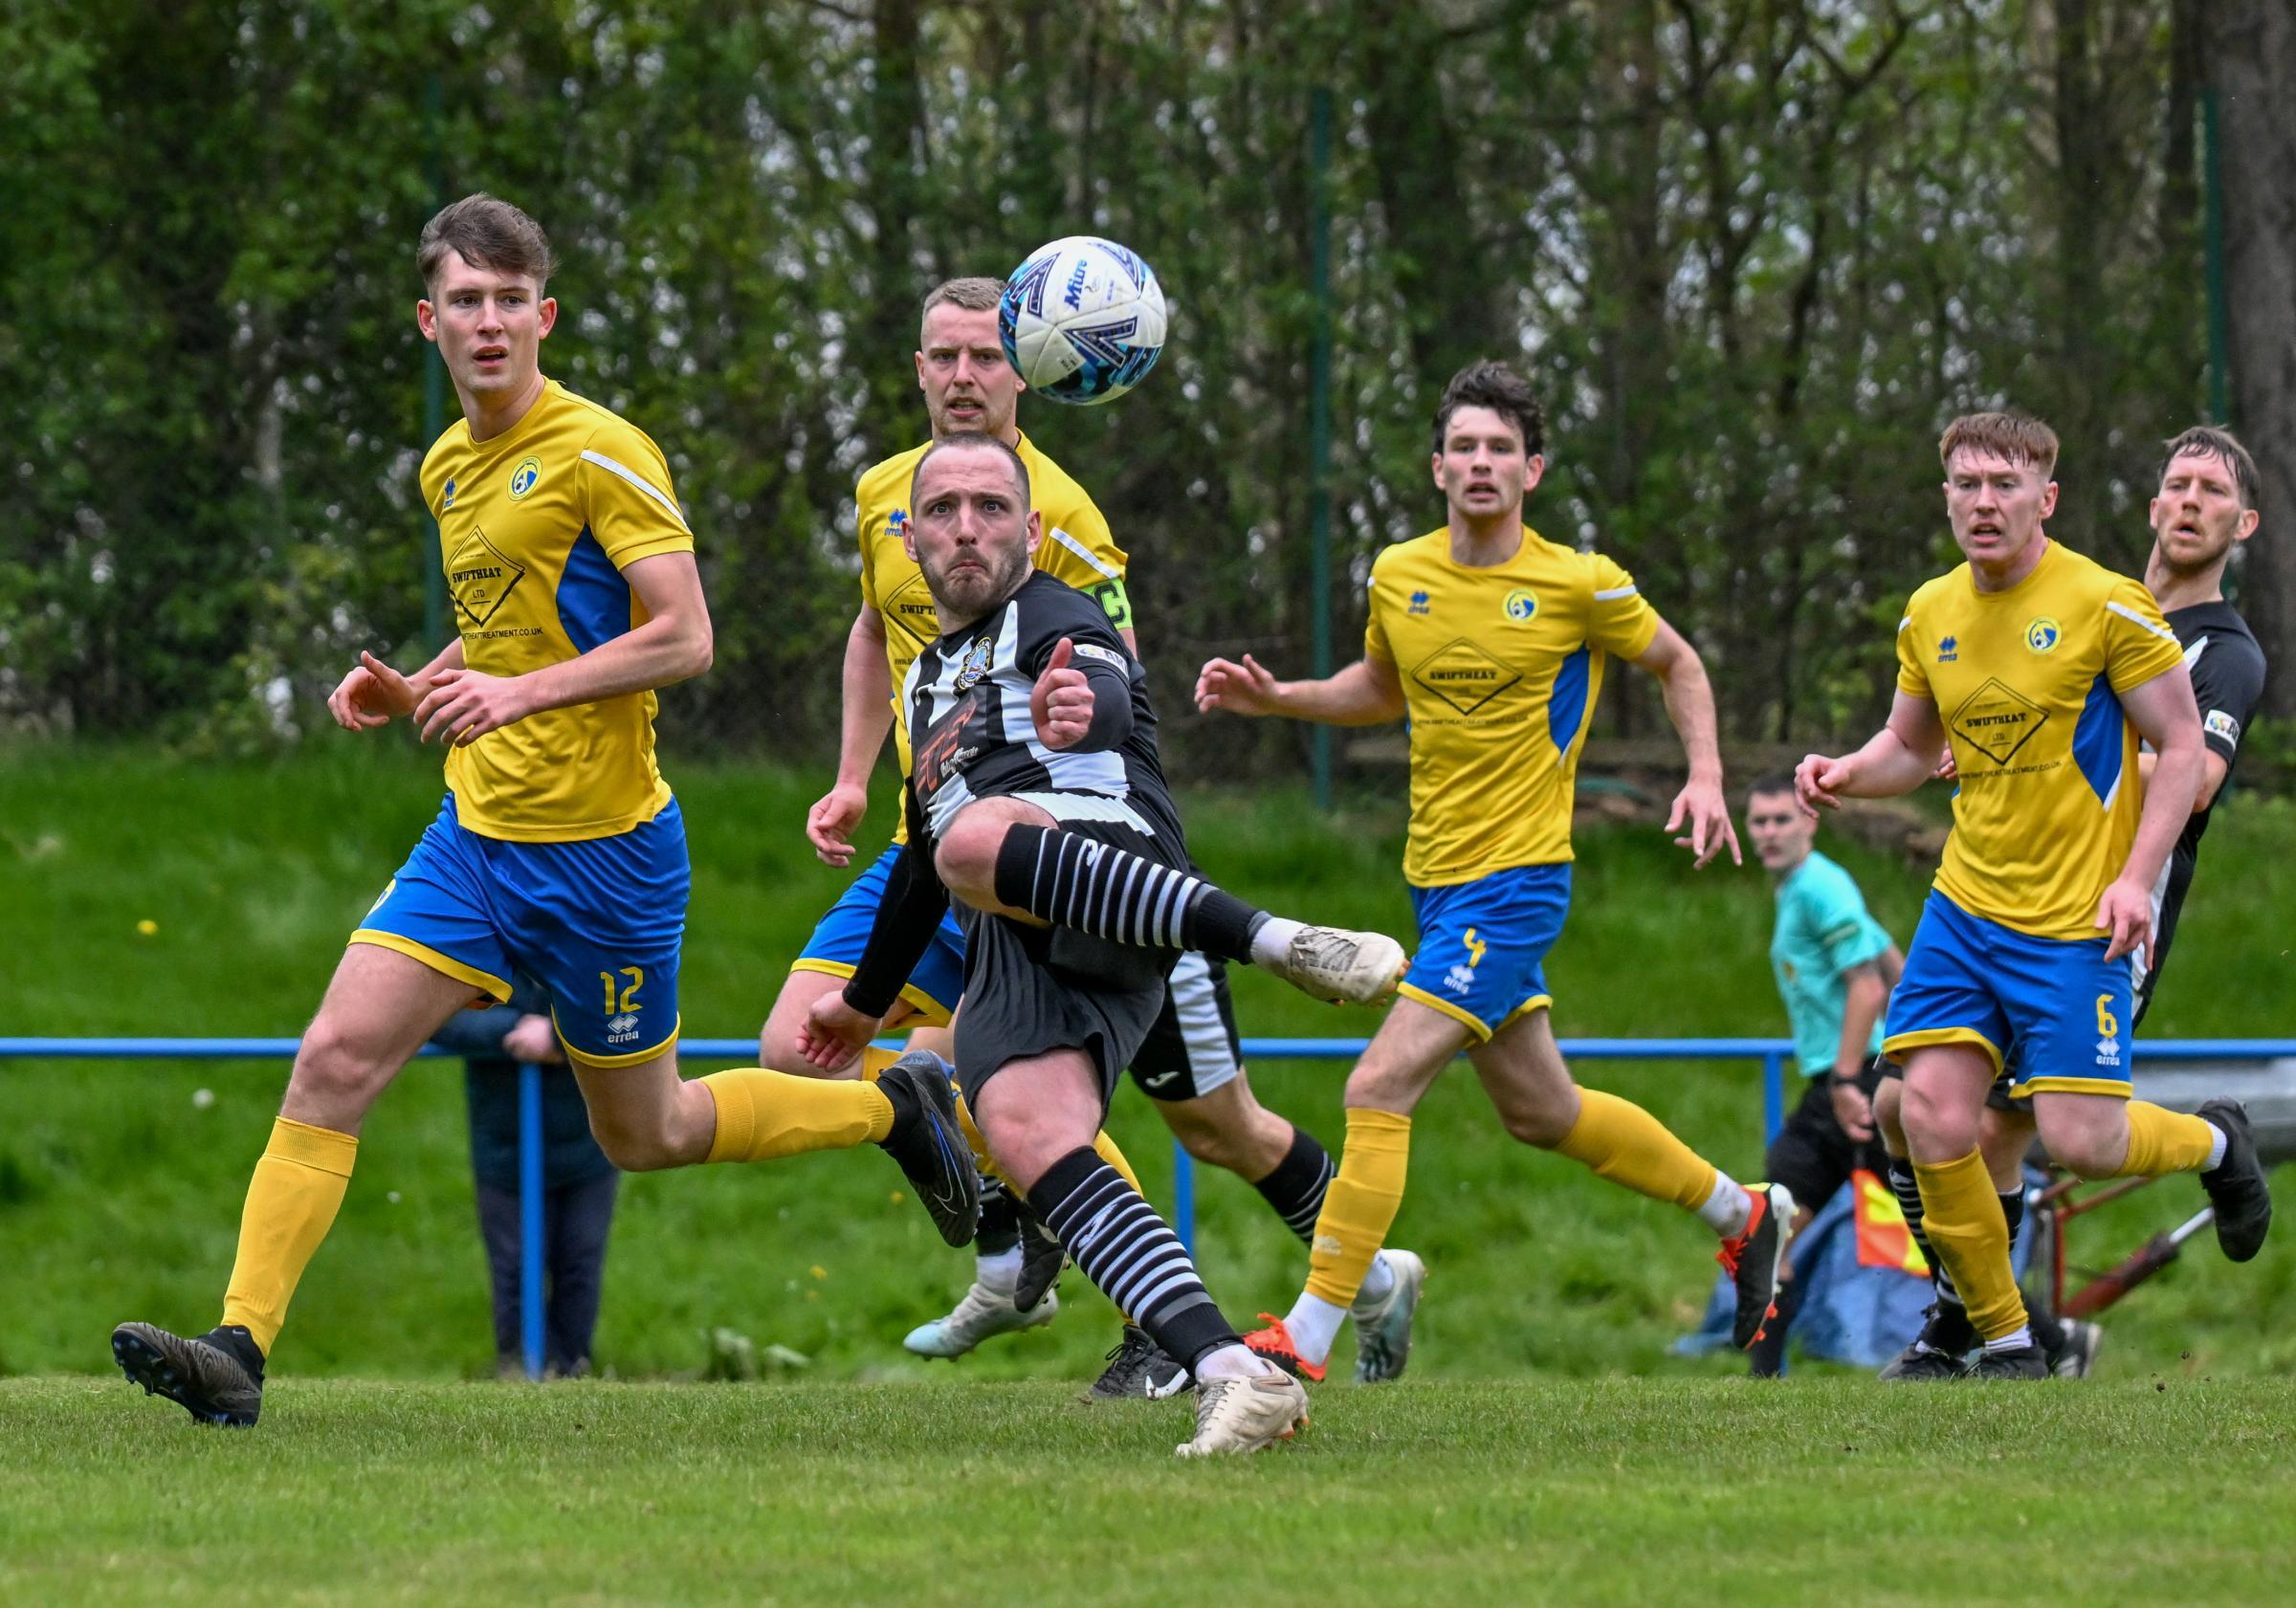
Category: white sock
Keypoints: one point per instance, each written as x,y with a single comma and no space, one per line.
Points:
1000,1273
1378,1280
1314,1324
1273,941
2215,1149
1234,1362
1728,1208
2011,1342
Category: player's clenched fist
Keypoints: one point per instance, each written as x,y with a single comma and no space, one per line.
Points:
371,696
1817,783
1061,704
1239,689
464,705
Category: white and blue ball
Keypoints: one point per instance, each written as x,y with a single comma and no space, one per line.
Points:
1082,319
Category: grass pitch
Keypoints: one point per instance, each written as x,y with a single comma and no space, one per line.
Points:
1614,1492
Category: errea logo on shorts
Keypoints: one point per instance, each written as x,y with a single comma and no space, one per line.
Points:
2109,1052
621,1029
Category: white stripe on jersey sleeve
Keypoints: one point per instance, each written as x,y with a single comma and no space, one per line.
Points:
640,481
1107,572
2136,619
1611,594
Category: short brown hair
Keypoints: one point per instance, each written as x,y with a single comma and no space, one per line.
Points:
975,294
1501,390
485,233
2215,442
2019,437
977,441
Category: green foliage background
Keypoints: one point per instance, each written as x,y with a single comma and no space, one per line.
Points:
1753,252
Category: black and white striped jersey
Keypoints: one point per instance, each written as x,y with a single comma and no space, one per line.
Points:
967,697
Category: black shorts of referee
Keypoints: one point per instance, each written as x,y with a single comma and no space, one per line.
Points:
1813,1156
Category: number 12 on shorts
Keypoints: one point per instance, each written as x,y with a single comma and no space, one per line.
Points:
626,1003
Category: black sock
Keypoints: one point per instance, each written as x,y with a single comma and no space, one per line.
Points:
1296,1188
1130,1254
905,1108
234,1341
1766,1357
999,1229
2048,1332
1072,880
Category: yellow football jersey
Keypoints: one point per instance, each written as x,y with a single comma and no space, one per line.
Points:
1077,548
2027,684
1500,667
535,527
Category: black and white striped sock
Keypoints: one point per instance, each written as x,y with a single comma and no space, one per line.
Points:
1072,880
1130,1254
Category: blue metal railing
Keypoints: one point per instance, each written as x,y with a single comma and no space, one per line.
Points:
1771,1053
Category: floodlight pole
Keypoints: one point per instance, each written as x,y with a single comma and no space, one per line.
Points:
1319,420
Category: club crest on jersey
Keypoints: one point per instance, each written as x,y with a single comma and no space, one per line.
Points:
523,477
2043,634
977,658
1522,603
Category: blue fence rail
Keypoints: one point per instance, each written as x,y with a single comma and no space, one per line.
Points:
1771,1053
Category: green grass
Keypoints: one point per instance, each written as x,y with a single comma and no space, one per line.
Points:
120,1190
1625,1491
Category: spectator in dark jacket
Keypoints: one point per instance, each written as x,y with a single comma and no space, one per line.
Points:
577,1182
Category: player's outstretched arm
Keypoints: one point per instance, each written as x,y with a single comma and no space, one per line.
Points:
1700,812
673,645
865,716
1367,692
2164,715
1899,757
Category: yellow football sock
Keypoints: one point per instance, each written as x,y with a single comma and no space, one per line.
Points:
763,1114
2163,1141
1962,1216
291,1203
1621,1141
1106,1148
874,1060
1360,1206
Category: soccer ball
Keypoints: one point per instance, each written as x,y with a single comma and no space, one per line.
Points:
1082,319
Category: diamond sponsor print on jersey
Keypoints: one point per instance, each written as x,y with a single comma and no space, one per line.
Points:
910,606
481,576
1997,721
1464,676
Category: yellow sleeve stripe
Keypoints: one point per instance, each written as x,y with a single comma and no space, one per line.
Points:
1108,572
1612,594
638,480
2136,619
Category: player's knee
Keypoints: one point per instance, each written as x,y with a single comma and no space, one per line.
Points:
2092,1149
1539,1125
633,1150
967,854
340,1066
1889,1114
1938,1130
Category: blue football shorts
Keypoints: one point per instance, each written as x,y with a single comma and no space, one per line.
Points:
1483,945
938,982
2052,1014
598,921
